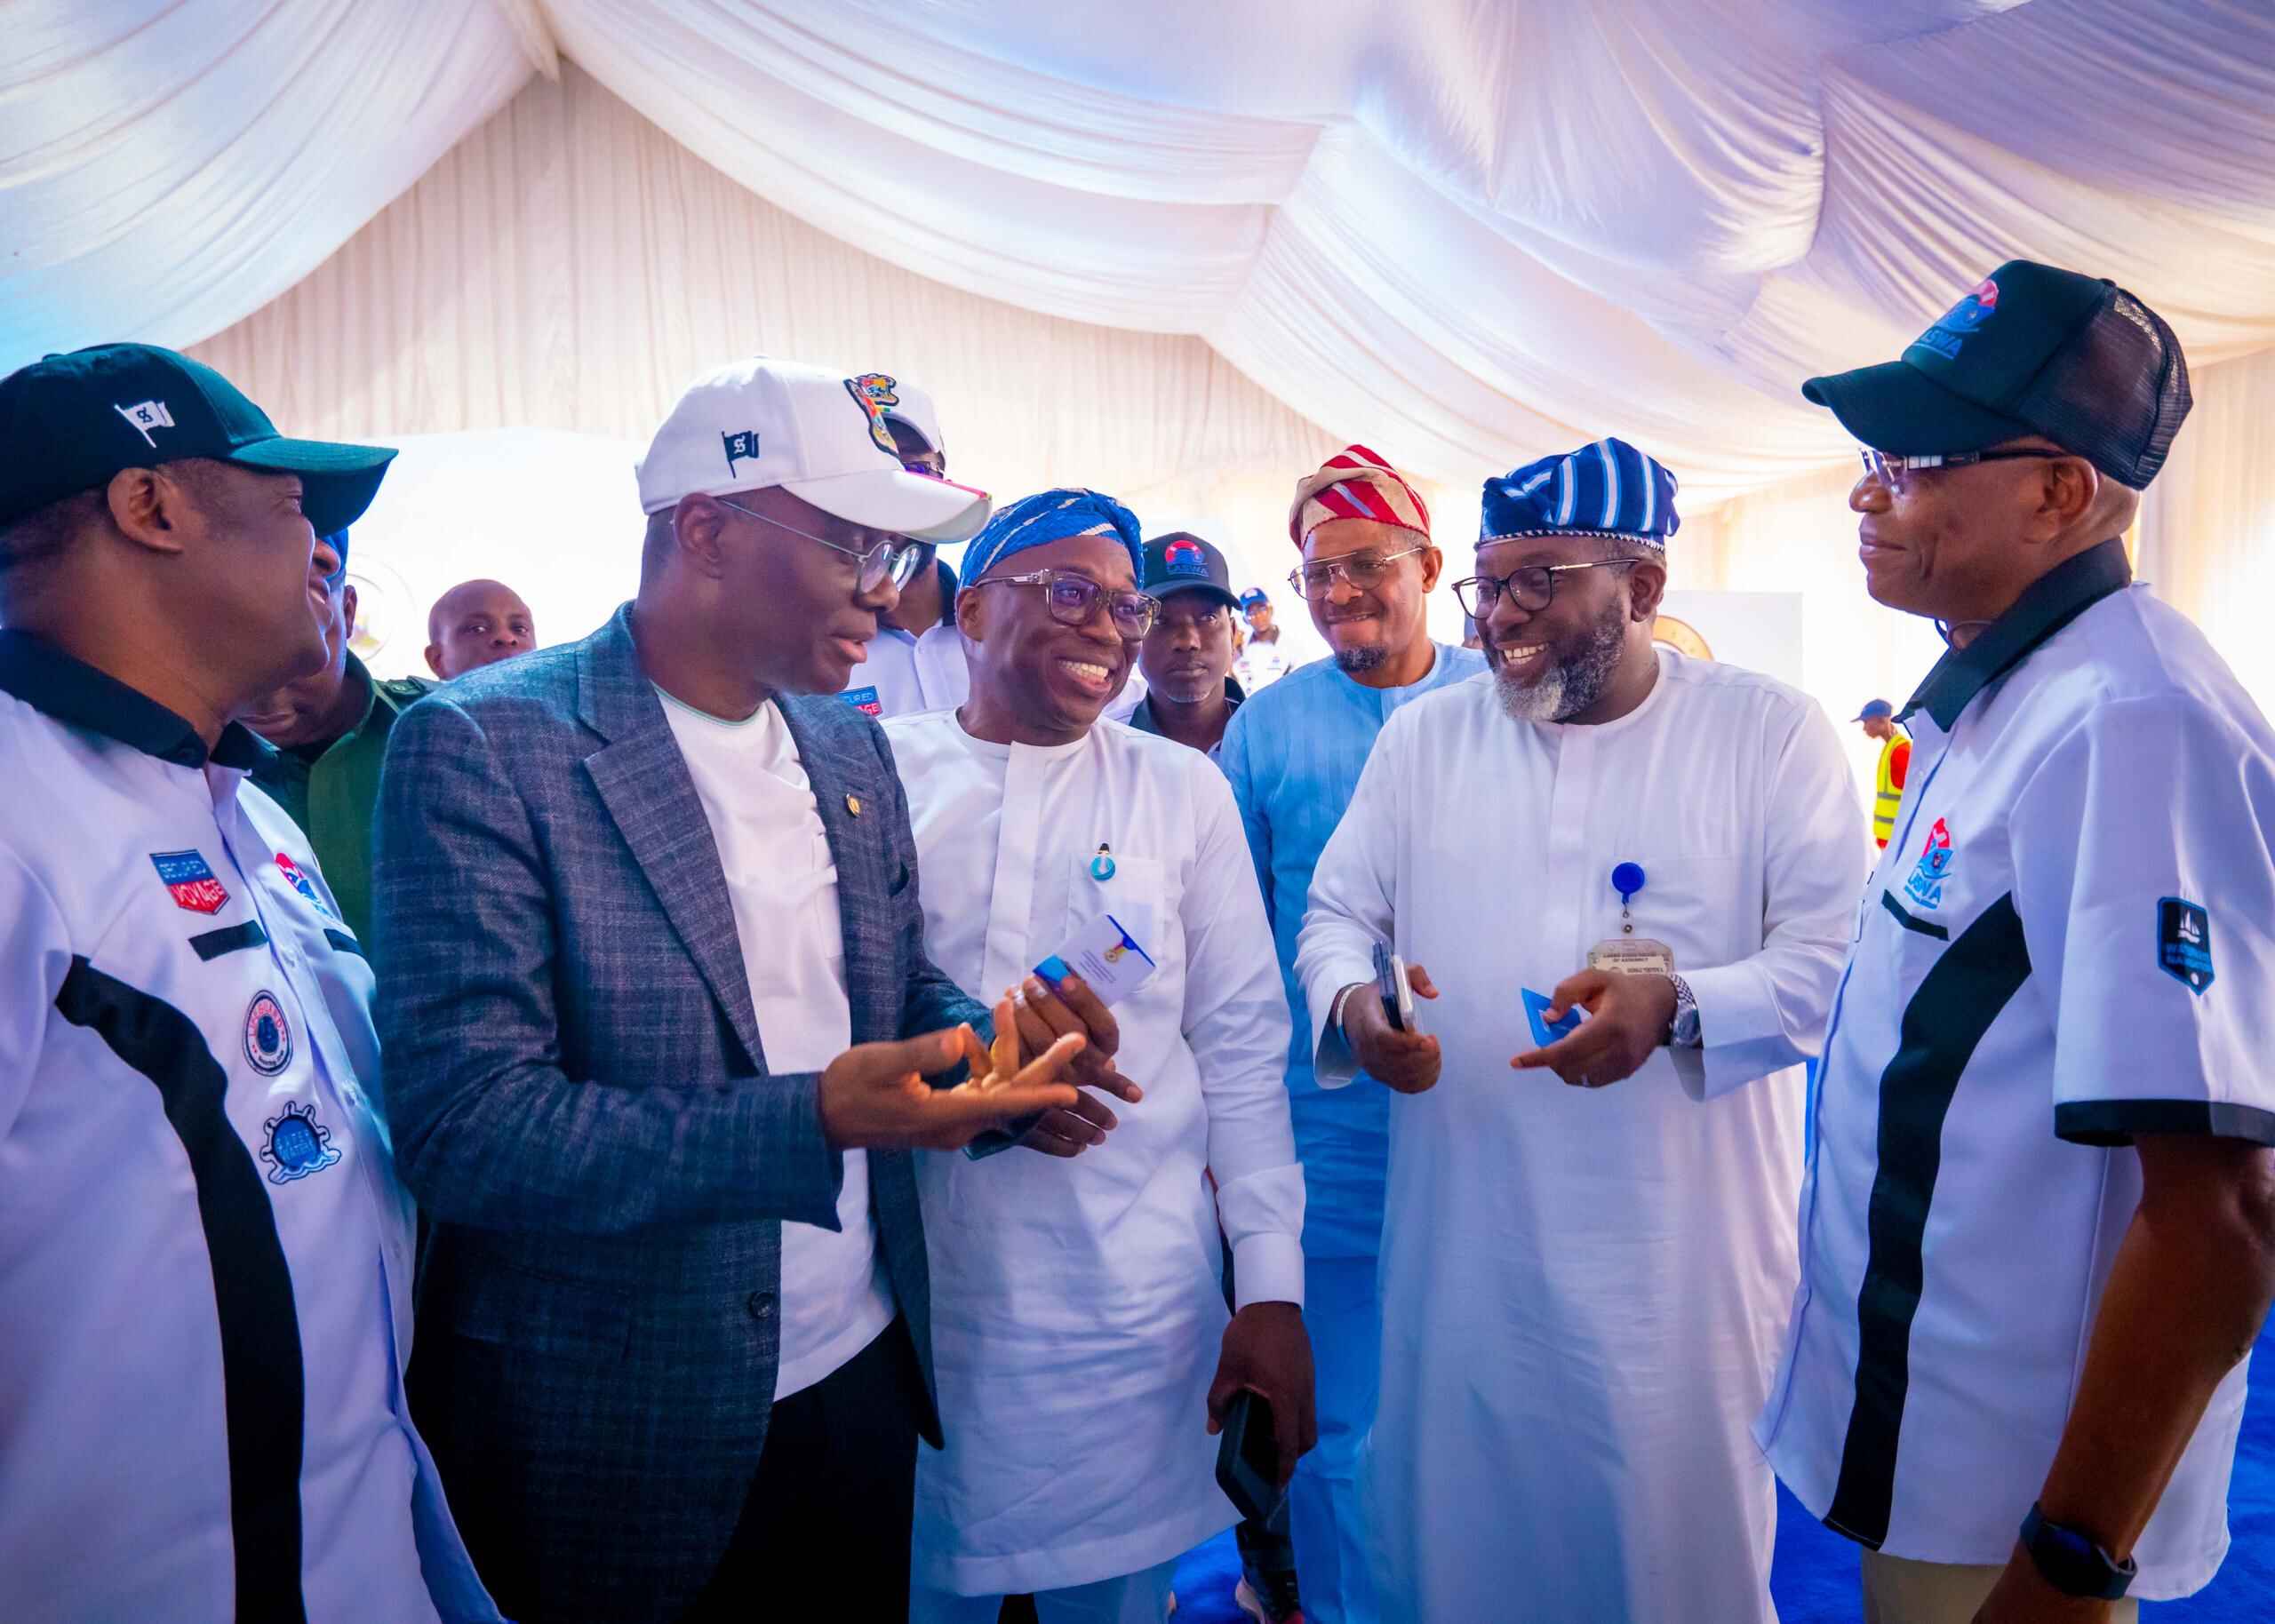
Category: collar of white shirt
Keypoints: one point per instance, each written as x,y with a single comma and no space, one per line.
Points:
2049,603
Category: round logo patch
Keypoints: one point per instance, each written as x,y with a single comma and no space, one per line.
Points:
297,1145
268,1039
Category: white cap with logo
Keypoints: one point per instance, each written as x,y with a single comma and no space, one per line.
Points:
819,435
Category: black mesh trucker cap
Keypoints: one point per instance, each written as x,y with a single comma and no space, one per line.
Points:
2031,350
71,422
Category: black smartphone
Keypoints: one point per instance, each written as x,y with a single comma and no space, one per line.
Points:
1397,995
1248,1459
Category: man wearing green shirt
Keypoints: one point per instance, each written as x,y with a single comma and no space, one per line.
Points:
331,734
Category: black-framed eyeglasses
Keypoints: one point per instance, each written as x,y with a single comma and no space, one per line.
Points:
1891,472
1363,570
1073,599
1534,586
895,559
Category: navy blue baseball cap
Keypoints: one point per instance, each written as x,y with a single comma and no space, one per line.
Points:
1182,562
71,422
2029,350
1256,597
1875,709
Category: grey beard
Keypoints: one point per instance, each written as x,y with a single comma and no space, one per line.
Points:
1356,660
1574,682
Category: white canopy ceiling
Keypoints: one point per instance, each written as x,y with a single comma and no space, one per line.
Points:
1479,230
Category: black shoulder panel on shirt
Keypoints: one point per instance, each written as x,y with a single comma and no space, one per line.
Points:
263,1388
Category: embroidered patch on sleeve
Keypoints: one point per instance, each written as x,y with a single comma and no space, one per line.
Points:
2185,943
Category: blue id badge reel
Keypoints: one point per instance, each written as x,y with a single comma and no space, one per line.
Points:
1628,953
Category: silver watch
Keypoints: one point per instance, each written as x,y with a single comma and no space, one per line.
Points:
1682,1031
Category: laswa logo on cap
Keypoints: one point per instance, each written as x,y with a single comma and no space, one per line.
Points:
1952,327
873,392
144,415
1184,558
740,447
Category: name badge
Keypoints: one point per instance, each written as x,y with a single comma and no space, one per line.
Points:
1632,956
1105,955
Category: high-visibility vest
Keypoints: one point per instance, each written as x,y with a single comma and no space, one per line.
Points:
1889,797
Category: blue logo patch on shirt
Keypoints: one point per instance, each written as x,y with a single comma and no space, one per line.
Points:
1926,886
864,700
297,1145
2185,943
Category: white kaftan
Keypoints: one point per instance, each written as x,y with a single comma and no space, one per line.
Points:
1077,1309
1585,1290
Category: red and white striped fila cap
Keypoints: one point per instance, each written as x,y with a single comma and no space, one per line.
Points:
1356,483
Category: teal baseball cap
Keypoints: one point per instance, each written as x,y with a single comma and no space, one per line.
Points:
71,422
2030,349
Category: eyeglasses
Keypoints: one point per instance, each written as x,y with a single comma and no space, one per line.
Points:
1534,586
893,560
1073,600
1363,570
1890,471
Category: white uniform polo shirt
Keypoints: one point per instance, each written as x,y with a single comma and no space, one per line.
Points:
2066,944
205,1257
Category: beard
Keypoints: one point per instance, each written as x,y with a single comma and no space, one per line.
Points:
1578,679
1367,659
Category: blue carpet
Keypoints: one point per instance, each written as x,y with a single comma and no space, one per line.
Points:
1814,1575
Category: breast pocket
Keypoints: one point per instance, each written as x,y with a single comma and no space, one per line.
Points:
1699,906
1137,894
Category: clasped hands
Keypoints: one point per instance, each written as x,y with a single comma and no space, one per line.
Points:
1628,1020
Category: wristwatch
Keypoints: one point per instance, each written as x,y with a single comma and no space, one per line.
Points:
1682,1031
2072,1563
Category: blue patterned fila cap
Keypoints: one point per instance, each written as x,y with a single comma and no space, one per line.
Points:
1607,489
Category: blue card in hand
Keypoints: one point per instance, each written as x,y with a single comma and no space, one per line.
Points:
1537,1008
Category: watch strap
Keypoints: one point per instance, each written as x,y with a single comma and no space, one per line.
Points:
1682,1028
2072,1563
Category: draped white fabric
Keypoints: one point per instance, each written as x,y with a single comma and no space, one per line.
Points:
1478,231
2208,528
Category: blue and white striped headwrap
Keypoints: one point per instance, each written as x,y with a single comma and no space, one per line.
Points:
1607,488
1049,516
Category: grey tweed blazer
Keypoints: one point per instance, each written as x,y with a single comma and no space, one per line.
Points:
580,1098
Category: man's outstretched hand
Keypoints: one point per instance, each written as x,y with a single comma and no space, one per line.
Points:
873,1096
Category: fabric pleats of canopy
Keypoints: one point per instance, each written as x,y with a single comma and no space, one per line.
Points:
1179,248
